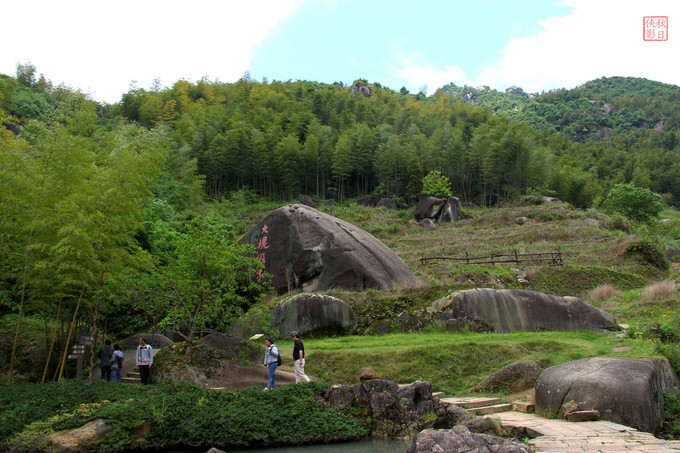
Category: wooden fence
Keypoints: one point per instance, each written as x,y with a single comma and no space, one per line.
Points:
549,258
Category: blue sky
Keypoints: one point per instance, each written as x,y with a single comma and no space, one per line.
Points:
101,47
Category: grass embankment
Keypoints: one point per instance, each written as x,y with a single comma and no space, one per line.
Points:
455,362
169,416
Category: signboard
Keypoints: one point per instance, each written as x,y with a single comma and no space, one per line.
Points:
78,348
86,340
75,356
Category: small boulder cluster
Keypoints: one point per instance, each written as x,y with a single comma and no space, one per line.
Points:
433,209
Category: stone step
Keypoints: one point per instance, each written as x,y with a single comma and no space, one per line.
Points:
438,394
131,380
133,374
523,406
490,409
471,402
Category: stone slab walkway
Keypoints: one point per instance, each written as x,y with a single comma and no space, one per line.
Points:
597,436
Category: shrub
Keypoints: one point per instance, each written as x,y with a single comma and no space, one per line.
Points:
636,203
663,290
649,252
602,292
436,185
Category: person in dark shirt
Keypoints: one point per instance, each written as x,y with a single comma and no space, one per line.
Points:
299,358
105,359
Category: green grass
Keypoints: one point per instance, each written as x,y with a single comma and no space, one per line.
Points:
453,361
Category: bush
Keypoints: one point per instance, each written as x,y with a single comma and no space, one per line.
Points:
602,293
649,252
663,290
436,185
635,203
178,415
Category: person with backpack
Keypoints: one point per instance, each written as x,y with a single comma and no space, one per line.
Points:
144,360
272,359
105,355
117,364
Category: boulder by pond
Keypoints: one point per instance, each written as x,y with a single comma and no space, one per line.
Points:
460,439
395,411
516,311
306,250
623,390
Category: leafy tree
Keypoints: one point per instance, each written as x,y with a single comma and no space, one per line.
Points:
436,185
209,282
636,203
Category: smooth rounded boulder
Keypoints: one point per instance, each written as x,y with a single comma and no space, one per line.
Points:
511,310
623,390
313,315
306,250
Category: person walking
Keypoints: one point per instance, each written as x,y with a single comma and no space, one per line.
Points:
271,361
117,364
298,358
105,358
144,360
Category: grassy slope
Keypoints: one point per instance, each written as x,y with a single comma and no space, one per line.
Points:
454,362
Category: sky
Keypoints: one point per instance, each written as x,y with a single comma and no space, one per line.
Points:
105,48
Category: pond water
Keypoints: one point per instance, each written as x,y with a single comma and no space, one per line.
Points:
364,446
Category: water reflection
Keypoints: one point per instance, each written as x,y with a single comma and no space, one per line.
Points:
366,446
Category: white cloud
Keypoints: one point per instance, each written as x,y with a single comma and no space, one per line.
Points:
100,47
415,74
598,38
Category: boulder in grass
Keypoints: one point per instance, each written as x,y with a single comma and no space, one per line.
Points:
368,201
305,200
428,224
306,250
511,378
512,310
313,315
387,203
622,390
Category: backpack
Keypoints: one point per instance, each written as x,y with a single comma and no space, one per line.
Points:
278,360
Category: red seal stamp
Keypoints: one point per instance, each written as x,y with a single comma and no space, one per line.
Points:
655,28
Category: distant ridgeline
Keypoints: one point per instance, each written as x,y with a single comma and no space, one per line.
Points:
333,141
594,110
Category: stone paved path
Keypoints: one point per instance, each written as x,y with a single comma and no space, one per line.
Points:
598,436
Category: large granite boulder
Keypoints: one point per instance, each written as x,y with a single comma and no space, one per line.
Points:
460,439
512,310
313,315
511,378
306,250
623,390
450,211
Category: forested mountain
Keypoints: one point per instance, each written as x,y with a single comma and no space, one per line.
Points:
335,141
103,205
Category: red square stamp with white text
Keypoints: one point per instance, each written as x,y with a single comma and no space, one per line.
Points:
655,28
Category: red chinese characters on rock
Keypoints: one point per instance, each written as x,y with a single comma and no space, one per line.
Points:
655,28
262,246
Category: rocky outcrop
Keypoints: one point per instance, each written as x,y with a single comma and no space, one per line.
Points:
437,209
511,378
550,200
313,315
306,250
396,411
460,439
515,310
79,439
622,390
